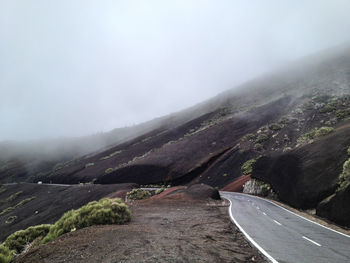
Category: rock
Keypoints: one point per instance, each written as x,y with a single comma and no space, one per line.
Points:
336,207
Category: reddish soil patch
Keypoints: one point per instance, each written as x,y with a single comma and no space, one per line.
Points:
168,192
237,185
159,232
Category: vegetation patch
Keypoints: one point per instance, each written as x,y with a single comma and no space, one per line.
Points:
13,196
261,138
2,189
315,133
275,126
248,137
18,240
158,191
11,208
328,108
6,254
105,211
342,114
11,219
89,164
344,177
138,194
109,170
247,167
258,147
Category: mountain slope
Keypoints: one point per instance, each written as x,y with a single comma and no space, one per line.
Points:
274,116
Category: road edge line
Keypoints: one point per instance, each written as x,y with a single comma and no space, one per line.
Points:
297,215
251,240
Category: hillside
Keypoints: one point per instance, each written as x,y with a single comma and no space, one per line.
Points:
208,143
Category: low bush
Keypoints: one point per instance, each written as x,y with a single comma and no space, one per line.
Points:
344,177
138,194
103,212
10,219
258,147
13,196
247,167
2,189
109,170
6,254
315,133
18,240
323,131
349,150
248,137
275,126
261,138
342,114
158,191
328,108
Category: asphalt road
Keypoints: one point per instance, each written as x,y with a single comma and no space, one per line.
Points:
283,236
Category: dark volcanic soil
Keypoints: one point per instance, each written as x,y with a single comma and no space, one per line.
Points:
49,203
160,231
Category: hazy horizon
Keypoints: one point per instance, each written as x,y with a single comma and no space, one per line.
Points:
73,68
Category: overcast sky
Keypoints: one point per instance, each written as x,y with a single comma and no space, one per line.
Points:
76,67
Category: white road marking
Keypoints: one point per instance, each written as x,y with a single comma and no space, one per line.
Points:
308,239
340,233
257,208
264,213
248,237
278,223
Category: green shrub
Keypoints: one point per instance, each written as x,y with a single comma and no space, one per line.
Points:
247,167
261,138
158,191
24,201
248,137
89,164
109,170
258,147
275,127
323,131
342,114
11,208
19,239
224,175
344,177
315,133
138,194
2,189
287,149
10,219
105,211
328,108
7,210
13,196
6,254
349,150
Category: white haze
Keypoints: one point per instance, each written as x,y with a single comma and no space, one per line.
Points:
76,67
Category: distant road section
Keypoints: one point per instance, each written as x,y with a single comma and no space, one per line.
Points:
283,236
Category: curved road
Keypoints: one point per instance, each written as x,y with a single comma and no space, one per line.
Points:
283,236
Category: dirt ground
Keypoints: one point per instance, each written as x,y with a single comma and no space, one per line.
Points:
160,231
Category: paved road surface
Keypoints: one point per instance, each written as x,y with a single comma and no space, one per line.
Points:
283,236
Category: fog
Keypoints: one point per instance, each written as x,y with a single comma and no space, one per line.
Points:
77,67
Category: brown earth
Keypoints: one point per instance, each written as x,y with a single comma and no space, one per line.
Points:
160,231
237,185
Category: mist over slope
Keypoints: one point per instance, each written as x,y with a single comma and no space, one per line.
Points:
270,116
